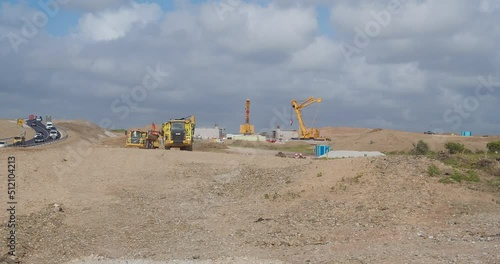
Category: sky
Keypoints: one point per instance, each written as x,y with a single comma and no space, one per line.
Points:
412,65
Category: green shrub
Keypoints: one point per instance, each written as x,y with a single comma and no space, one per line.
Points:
454,147
421,148
470,176
433,170
494,147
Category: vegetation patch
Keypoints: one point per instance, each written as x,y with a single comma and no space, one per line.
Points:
433,170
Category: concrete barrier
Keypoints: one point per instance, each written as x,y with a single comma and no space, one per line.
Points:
339,154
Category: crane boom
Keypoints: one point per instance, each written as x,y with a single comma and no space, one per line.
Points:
305,133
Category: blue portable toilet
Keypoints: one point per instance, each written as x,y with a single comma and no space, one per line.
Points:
320,150
466,133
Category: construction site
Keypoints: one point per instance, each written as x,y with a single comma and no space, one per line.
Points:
165,194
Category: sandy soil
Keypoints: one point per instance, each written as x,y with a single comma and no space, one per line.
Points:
391,140
86,200
9,128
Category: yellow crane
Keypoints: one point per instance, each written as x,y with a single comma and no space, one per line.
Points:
247,129
305,133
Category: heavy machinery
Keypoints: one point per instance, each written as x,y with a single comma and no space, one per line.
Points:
305,133
247,129
179,133
18,141
136,138
143,139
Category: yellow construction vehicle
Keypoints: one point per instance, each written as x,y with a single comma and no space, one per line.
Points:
143,139
305,133
247,129
136,138
18,141
179,133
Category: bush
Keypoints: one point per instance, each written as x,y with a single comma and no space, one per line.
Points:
494,147
470,176
454,147
421,148
433,170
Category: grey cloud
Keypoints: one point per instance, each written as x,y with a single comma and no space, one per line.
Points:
406,78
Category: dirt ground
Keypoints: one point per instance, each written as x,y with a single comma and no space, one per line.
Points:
90,200
385,140
9,128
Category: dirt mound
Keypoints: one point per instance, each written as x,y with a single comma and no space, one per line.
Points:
386,140
117,142
208,145
83,130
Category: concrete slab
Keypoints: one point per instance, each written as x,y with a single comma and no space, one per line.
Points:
351,154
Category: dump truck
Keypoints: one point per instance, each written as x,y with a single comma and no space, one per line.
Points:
179,133
143,139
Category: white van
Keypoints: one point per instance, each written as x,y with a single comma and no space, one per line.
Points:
49,125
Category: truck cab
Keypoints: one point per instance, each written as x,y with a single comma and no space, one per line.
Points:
179,133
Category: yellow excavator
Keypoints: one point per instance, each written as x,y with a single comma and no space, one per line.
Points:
307,133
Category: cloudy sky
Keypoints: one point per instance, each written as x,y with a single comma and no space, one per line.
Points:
403,64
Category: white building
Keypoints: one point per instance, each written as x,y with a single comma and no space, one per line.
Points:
207,133
283,135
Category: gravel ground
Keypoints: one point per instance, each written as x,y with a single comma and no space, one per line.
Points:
119,205
85,202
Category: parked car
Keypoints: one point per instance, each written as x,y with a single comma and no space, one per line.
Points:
3,144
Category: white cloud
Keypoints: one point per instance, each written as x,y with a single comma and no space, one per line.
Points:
322,54
255,28
113,24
